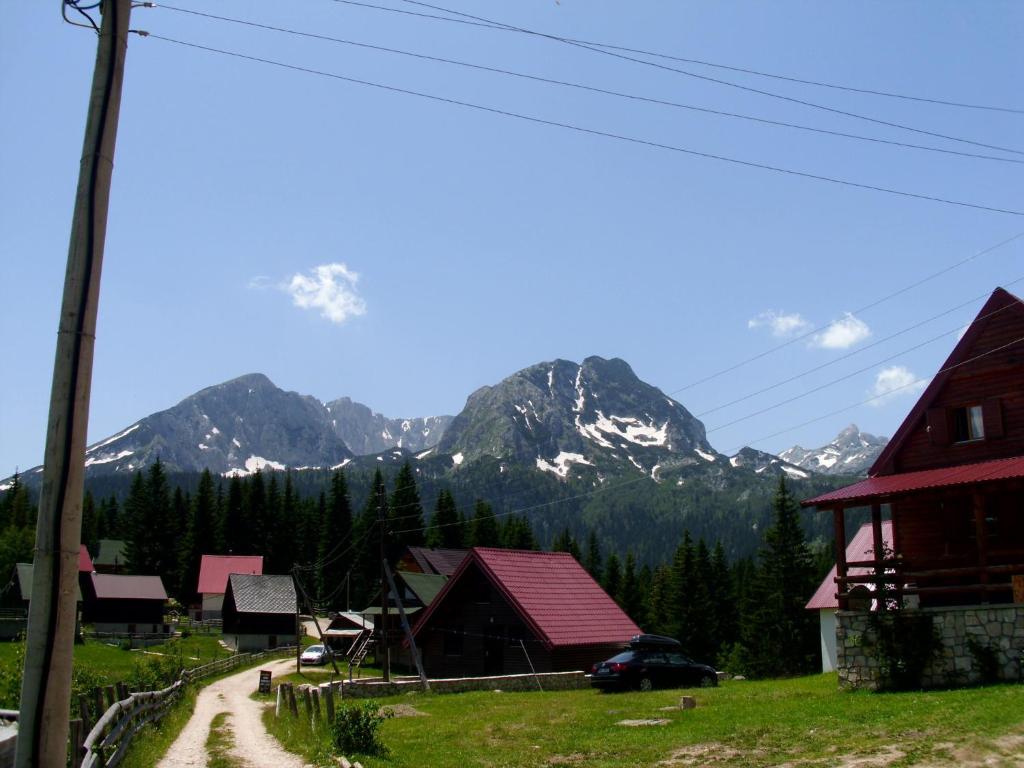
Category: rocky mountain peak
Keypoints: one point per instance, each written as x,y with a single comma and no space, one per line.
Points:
852,452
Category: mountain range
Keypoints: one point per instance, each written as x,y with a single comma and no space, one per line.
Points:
589,420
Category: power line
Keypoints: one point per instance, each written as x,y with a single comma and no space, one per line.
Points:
716,65
865,308
914,383
591,131
866,347
480,21
588,88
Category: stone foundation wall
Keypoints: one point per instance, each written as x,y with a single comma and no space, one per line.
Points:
549,681
999,628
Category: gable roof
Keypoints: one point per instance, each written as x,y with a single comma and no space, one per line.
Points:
861,547
438,561
23,581
116,586
111,552
84,561
552,593
425,586
215,569
262,594
999,301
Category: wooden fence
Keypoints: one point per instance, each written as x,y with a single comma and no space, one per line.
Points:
119,714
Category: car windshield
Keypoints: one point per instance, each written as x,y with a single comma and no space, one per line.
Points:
315,649
622,657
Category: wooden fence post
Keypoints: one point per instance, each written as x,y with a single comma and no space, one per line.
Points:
111,696
77,735
83,711
327,694
122,691
314,692
292,706
307,702
280,696
97,700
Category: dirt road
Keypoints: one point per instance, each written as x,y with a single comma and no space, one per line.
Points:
253,745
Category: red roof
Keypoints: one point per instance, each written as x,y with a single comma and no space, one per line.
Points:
877,489
113,586
84,561
215,569
861,548
551,592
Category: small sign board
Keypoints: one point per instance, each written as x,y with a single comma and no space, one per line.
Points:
264,681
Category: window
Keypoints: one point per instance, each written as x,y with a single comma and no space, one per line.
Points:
968,424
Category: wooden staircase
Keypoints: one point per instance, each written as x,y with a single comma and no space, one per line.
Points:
360,648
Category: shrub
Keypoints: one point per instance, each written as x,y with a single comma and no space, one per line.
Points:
905,644
356,728
986,660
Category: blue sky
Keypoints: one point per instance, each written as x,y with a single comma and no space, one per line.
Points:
350,241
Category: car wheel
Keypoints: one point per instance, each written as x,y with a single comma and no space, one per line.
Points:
707,681
646,684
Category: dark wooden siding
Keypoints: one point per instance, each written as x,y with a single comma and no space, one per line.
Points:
996,380
123,611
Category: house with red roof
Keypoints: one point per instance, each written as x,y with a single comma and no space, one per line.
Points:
825,601
214,571
513,611
121,604
951,481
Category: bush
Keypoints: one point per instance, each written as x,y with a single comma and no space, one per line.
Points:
905,644
356,728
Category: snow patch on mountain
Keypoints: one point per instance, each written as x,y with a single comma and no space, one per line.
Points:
561,463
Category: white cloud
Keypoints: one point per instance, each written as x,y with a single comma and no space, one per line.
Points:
893,382
779,323
258,283
331,288
842,334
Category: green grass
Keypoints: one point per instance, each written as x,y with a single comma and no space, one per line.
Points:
804,722
151,743
219,744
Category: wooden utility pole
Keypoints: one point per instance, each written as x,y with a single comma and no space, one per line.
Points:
385,646
46,685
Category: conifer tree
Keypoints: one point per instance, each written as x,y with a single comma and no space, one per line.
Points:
632,599
235,538
255,529
483,530
660,614
779,635
335,538
517,533
564,542
406,510
89,522
683,577
613,578
366,538
199,538
138,542
445,531
703,636
592,559
723,598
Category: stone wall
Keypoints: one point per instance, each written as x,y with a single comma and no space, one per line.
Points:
549,681
998,628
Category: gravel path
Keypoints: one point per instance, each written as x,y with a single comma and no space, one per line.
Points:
254,747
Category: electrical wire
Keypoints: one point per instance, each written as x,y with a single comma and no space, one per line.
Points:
82,11
479,21
590,131
866,347
861,310
588,88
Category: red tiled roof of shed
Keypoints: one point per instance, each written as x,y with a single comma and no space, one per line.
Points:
214,571
113,586
84,561
861,547
552,593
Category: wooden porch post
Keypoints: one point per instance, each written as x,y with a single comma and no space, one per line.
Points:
879,550
981,539
839,523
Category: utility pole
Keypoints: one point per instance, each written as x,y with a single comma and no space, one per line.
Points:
382,522
46,685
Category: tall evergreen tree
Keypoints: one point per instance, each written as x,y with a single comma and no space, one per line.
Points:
483,530
564,542
445,530
366,540
90,522
660,613
779,636
632,598
200,535
723,598
613,578
406,510
335,538
517,533
235,524
592,559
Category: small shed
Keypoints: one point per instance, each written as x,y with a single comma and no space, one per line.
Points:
260,612
110,557
344,628
214,571
824,600
513,611
121,604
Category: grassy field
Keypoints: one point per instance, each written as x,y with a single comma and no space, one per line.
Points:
798,722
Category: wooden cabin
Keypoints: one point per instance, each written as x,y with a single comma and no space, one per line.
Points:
952,481
260,612
214,571
120,604
343,630
503,610
110,556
